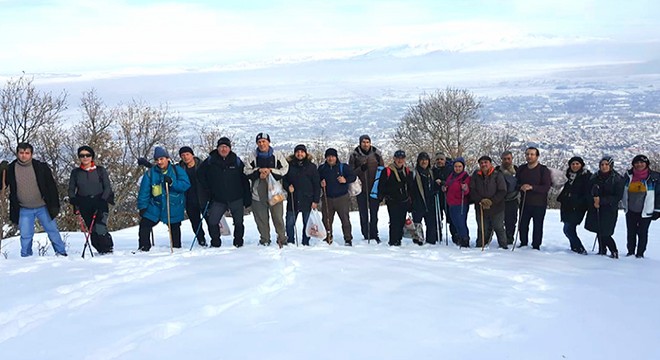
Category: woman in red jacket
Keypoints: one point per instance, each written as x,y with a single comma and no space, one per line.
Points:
457,190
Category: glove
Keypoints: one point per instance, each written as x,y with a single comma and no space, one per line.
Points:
595,190
486,203
142,211
144,162
74,201
364,167
167,179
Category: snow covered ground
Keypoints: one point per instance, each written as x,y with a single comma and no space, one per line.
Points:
331,302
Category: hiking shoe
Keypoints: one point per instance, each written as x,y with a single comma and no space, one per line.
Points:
614,255
348,243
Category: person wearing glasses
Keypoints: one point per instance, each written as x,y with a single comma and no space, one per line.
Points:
33,195
90,193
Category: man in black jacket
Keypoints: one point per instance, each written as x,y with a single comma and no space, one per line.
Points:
303,186
335,177
224,185
33,195
441,170
191,164
394,187
535,181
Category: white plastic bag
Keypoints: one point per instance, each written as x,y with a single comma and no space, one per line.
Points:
224,227
276,193
355,188
409,230
315,226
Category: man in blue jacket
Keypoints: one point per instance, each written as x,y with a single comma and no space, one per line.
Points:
335,177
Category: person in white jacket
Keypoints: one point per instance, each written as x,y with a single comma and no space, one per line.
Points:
263,162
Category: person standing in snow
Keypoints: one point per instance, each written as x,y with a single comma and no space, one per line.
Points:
606,190
335,178
574,198
394,186
487,190
641,203
512,198
90,193
535,181
457,191
194,210
423,192
442,168
302,183
263,162
33,195
364,161
152,203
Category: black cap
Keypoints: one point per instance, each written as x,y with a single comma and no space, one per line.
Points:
224,141
423,156
607,159
399,154
574,159
186,149
485,157
331,152
262,135
300,147
642,158
363,137
88,149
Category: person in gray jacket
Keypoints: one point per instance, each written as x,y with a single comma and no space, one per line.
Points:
365,161
512,198
487,190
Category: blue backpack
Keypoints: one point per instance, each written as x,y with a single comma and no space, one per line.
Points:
374,188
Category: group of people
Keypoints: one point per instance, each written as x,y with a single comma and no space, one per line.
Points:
503,196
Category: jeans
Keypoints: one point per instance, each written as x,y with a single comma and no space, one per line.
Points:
570,230
460,221
637,227
26,226
291,222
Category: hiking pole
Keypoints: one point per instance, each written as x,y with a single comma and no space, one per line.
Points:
446,221
199,227
169,224
483,234
327,217
3,199
520,212
295,217
593,248
438,218
87,232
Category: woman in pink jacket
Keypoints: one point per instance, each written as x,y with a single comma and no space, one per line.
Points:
457,191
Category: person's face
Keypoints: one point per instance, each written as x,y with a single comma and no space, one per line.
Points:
399,161
187,158
531,157
458,167
263,145
507,161
604,167
424,163
162,162
24,155
639,165
85,158
300,154
224,150
331,160
485,165
365,144
440,162
576,166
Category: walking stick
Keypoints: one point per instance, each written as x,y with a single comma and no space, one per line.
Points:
206,208
326,216
519,216
295,218
169,224
438,217
593,248
483,234
446,222
88,233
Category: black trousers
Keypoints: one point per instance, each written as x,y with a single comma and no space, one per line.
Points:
144,232
638,232
510,219
100,238
537,214
368,208
215,213
397,214
195,215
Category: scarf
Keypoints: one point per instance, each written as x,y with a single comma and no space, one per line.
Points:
91,167
639,175
266,154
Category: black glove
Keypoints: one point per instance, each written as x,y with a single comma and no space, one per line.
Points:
142,211
363,167
167,179
74,201
144,162
595,190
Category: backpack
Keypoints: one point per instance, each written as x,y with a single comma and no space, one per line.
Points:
374,188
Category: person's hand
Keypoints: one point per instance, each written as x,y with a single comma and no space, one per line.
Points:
144,162
167,179
526,187
597,202
264,172
364,167
438,181
323,183
4,165
314,205
486,203
291,189
142,211
341,179
464,187
444,188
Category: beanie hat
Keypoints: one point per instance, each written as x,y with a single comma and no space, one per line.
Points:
642,158
608,159
423,156
365,137
160,152
300,147
400,154
263,135
88,149
331,152
574,159
440,155
460,160
485,157
186,149
224,141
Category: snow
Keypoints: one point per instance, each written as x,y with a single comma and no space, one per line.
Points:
330,302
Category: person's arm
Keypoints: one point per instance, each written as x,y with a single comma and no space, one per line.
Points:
180,180
546,182
72,186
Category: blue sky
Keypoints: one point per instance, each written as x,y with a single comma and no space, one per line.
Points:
88,36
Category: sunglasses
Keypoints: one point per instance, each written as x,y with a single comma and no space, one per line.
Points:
84,155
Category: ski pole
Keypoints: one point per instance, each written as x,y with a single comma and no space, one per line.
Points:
326,215
295,217
520,212
87,232
593,248
483,234
206,208
169,224
438,218
446,221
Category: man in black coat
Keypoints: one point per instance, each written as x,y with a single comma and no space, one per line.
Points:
224,184
303,185
394,186
424,192
33,195
441,170
535,181
191,164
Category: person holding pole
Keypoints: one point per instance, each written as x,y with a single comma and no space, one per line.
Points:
335,179
424,191
488,190
457,190
162,198
535,181
303,184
